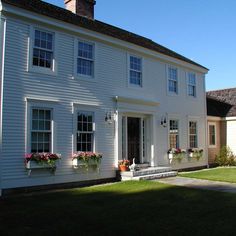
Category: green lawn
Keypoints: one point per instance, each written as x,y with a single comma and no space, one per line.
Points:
128,208
226,174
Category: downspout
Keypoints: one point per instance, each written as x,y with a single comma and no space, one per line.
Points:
2,61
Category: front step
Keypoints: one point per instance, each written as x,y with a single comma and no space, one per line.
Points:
148,173
152,176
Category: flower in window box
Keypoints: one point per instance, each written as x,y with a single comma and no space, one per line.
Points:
196,153
86,159
41,160
176,154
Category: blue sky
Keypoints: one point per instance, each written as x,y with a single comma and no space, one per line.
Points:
202,30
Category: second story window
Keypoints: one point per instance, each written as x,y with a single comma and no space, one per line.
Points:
85,59
191,84
43,49
172,80
135,71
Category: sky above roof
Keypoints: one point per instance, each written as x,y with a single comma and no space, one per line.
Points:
204,31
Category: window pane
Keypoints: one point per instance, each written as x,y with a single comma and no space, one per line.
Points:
174,133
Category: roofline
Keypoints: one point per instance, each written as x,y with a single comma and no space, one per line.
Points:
221,89
93,25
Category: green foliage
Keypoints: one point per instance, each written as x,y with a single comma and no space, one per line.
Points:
225,157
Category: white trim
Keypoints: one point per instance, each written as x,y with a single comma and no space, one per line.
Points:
85,103
87,78
169,93
2,58
38,99
38,69
102,37
230,118
208,130
136,101
130,85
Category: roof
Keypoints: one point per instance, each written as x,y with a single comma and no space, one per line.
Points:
226,96
62,14
217,108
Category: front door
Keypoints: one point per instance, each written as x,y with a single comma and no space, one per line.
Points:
133,139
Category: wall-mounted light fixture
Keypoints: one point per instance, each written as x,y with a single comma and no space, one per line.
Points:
164,121
108,117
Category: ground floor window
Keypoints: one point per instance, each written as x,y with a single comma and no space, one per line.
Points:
174,134
193,142
85,131
41,130
212,134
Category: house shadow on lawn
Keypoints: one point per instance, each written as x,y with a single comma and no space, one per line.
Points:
130,208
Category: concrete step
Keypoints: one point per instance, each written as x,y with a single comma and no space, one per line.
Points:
151,176
146,171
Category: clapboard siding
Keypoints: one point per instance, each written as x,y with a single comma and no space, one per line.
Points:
110,80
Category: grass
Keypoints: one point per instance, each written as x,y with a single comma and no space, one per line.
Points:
127,208
224,174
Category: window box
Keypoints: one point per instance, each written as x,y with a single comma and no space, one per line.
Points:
86,160
41,161
176,154
195,153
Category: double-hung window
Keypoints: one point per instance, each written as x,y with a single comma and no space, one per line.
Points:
172,80
43,49
41,130
191,84
212,134
174,134
135,71
85,131
193,139
85,59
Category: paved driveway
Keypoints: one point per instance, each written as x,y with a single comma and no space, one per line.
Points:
200,184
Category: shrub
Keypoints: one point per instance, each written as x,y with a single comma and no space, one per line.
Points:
225,157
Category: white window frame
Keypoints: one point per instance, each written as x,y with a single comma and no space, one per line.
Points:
212,124
76,108
86,132
91,78
193,85
197,135
129,69
173,119
168,79
38,69
40,104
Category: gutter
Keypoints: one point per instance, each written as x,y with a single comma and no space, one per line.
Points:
2,61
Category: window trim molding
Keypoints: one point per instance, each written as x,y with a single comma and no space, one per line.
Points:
169,93
38,69
87,78
28,118
191,119
134,86
213,124
82,108
187,84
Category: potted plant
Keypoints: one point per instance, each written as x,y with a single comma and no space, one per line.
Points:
176,154
86,159
196,153
41,161
124,165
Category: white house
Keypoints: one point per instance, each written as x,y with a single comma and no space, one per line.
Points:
62,70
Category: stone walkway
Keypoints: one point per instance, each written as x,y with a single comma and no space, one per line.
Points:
200,184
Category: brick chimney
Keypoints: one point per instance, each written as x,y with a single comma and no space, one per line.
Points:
81,7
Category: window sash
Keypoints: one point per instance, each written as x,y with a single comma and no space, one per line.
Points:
212,135
85,132
172,79
85,59
193,136
174,134
192,84
41,139
135,70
